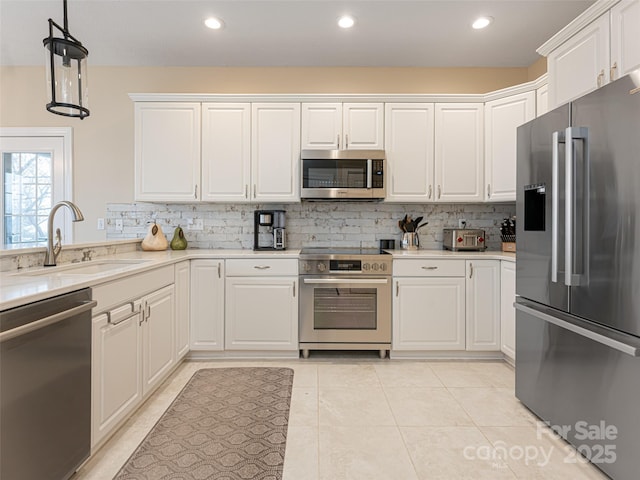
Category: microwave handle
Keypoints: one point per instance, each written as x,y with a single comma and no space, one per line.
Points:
369,173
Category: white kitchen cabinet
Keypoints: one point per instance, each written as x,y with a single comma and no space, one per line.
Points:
428,305
625,38
226,152
409,140
483,305
261,304
346,126
275,152
158,353
459,152
542,100
207,305
167,151
507,311
182,294
501,119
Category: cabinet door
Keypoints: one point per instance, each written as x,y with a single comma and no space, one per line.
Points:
483,305
167,151
429,313
275,152
581,64
363,126
116,385
542,100
207,304
501,120
158,354
261,313
321,126
226,152
409,132
459,140
507,311
182,286
625,38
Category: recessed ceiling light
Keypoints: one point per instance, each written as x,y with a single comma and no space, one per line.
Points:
346,21
213,23
482,22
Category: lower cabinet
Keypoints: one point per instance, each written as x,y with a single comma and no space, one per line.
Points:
483,304
207,305
507,311
182,292
261,305
158,355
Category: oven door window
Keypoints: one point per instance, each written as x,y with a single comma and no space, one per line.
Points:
334,174
344,308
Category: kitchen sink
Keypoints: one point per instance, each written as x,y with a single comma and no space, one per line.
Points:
86,268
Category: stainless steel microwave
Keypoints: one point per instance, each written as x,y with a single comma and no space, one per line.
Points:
343,174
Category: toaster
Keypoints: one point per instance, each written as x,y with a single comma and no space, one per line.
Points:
459,239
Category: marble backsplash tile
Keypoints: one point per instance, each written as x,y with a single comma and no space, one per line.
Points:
316,224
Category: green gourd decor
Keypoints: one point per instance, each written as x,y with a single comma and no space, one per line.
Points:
178,242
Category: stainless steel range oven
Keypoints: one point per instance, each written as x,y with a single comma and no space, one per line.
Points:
345,300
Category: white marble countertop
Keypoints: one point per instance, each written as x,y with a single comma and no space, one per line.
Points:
30,285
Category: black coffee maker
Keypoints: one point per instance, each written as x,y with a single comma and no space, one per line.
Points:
268,230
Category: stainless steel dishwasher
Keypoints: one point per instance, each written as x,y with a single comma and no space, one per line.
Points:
45,387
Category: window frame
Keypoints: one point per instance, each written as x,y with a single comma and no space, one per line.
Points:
61,167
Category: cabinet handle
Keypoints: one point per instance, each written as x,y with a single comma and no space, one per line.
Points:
346,142
246,191
397,288
488,190
470,270
600,78
429,196
294,289
219,276
439,191
262,267
195,193
612,71
254,191
148,314
429,268
338,142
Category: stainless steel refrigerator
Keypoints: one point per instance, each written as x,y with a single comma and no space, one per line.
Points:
578,273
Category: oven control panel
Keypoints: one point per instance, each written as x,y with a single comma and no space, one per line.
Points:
375,266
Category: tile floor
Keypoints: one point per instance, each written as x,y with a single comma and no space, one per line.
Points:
359,418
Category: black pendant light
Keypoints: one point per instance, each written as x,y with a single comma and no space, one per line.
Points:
66,65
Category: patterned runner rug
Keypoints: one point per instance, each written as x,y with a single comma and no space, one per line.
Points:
226,424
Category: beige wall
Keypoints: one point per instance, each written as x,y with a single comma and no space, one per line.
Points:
537,68
103,143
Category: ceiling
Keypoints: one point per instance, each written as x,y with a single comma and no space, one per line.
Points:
389,33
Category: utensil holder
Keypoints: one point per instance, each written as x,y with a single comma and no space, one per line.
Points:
410,241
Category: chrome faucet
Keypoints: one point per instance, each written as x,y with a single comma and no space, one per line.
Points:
54,251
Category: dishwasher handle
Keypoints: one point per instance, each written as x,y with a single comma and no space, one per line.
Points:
46,321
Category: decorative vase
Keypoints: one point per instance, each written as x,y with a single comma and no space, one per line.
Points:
178,242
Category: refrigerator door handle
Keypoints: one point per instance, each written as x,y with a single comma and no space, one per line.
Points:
625,343
558,138
571,278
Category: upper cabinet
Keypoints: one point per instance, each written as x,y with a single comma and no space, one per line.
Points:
501,119
343,126
275,152
409,140
167,151
459,141
603,50
542,100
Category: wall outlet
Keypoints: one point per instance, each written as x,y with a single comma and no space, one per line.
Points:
118,225
101,224
462,223
195,224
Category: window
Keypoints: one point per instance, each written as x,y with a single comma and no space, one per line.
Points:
36,173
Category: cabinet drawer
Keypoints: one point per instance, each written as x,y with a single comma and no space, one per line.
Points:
261,267
428,268
114,293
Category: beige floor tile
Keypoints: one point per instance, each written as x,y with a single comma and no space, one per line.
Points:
498,374
453,453
422,406
532,455
459,374
304,407
363,453
305,375
301,455
407,374
493,407
347,376
352,406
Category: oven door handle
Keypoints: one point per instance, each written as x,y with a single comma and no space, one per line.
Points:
326,281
